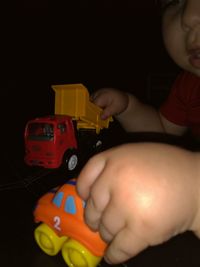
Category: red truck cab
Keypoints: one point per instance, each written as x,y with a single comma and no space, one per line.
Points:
50,141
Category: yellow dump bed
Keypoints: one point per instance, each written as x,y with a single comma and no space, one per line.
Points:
73,100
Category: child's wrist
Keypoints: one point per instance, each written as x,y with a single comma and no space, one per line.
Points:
126,109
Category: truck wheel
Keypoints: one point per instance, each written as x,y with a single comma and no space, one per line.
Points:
70,160
98,144
48,240
77,255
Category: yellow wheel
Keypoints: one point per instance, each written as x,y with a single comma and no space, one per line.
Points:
48,240
76,255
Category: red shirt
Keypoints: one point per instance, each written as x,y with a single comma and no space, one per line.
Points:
182,106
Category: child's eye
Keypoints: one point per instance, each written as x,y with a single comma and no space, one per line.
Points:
166,3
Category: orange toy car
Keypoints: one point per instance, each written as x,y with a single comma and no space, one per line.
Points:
63,228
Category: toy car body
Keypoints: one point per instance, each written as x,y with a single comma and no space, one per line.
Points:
61,213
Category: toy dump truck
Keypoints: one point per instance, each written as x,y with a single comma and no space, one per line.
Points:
56,140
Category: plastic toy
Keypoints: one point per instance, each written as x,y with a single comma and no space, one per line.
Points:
53,141
62,228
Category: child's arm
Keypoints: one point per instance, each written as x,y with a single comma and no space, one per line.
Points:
133,115
141,195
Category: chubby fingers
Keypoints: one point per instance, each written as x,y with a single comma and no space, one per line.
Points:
102,99
89,174
93,191
115,228
124,246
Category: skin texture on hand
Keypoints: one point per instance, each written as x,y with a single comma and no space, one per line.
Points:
112,101
140,195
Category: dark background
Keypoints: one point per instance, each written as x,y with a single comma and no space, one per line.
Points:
99,44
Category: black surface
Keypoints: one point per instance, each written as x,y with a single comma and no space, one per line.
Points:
21,186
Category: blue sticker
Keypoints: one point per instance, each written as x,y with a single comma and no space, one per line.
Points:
70,206
57,200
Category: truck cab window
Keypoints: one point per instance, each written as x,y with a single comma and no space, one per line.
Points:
40,131
62,127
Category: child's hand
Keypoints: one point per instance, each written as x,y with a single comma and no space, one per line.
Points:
111,100
140,195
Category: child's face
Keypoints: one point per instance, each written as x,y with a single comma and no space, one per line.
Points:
181,33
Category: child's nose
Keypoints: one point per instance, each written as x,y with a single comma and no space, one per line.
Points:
191,15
